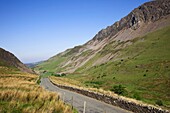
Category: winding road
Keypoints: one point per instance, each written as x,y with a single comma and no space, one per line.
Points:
92,105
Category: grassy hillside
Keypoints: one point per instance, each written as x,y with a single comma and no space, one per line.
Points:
19,93
142,67
51,65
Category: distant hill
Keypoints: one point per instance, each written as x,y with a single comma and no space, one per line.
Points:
32,65
9,60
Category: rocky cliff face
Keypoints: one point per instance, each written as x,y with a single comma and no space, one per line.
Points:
148,12
8,59
146,18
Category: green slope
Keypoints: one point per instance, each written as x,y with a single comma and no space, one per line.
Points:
59,63
142,67
51,65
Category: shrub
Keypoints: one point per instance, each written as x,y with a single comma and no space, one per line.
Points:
63,74
159,102
39,80
103,75
136,96
119,89
59,75
98,77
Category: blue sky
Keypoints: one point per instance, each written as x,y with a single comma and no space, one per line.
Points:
35,30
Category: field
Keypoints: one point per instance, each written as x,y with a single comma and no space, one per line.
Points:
20,93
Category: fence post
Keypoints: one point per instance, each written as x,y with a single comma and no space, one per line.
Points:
63,96
72,102
84,111
58,97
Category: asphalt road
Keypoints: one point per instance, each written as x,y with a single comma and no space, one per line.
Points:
92,105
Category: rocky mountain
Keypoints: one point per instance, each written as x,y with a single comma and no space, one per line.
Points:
107,43
9,60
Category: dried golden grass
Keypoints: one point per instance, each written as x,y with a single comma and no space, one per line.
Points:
66,81
20,92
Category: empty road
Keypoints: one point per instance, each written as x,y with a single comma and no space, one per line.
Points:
92,105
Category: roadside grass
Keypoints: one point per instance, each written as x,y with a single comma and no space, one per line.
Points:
66,81
19,93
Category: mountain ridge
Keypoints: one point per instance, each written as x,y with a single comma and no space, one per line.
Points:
10,60
150,11
146,18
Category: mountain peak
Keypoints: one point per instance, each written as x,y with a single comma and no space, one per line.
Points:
148,12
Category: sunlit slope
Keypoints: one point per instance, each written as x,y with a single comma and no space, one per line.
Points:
141,65
51,65
67,60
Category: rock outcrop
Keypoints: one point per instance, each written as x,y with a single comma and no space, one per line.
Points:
148,12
